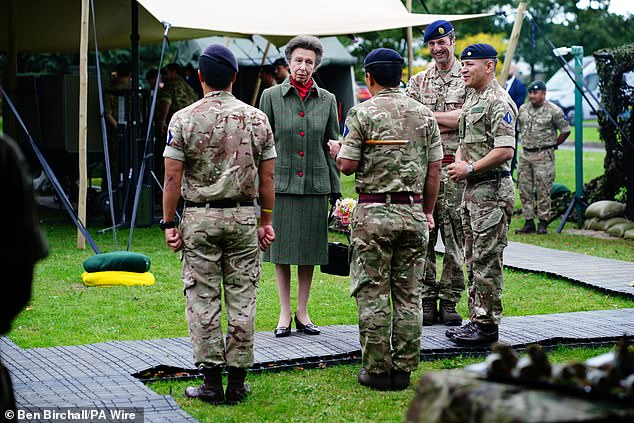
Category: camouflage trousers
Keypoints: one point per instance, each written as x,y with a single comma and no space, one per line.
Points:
487,208
220,256
449,224
388,246
535,178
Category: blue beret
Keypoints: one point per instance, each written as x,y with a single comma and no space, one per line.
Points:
537,86
436,30
479,51
280,62
385,56
217,53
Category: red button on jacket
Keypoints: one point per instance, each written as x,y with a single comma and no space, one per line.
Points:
301,133
301,154
301,114
300,173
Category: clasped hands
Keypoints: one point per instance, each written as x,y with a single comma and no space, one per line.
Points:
458,170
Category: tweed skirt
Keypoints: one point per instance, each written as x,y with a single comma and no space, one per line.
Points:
301,230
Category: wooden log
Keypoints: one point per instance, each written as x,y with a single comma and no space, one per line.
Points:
83,120
510,52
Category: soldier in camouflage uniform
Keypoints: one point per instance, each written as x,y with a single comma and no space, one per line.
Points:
441,88
119,87
539,120
223,152
174,95
392,143
487,141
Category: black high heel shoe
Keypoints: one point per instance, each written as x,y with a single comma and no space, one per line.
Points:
283,331
309,329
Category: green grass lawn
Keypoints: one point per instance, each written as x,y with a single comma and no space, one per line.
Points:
326,395
590,132
65,312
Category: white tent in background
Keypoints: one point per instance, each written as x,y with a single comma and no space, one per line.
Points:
55,26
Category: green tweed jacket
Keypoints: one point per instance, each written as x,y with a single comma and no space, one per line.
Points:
301,130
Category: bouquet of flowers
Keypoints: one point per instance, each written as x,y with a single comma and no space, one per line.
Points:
343,213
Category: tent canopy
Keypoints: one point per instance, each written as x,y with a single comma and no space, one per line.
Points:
53,26
249,51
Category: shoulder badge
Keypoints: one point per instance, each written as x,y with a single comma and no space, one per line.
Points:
169,137
508,118
345,130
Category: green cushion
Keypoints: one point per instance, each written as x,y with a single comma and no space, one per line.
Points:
605,209
558,189
119,260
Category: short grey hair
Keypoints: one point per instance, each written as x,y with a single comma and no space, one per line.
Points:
307,42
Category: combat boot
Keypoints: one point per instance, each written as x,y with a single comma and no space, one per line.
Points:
528,228
400,379
542,227
448,314
479,335
237,390
379,381
430,312
450,333
211,389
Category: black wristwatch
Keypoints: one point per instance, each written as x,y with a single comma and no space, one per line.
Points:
167,224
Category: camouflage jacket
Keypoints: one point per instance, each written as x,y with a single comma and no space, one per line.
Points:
391,115
221,142
487,122
178,94
111,103
538,126
440,94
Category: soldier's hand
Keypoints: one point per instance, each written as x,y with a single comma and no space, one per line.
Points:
334,196
334,146
458,170
266,236
173,239
431,223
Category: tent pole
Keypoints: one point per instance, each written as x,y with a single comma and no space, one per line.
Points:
510,52
410,47
133,128
259,80
83,119
10,125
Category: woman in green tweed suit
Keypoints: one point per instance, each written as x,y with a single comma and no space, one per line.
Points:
303,117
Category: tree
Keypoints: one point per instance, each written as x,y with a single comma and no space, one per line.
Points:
560,21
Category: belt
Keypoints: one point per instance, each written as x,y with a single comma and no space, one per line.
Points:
391,198
448,159
489,176
225,204
536,149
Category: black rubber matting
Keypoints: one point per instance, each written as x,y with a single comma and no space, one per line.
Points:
103,374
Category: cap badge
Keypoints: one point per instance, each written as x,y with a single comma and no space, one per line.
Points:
468,53
441,30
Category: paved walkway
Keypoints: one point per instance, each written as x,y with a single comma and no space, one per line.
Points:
103,374
607,275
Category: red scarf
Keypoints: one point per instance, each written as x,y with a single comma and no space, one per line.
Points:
302,90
